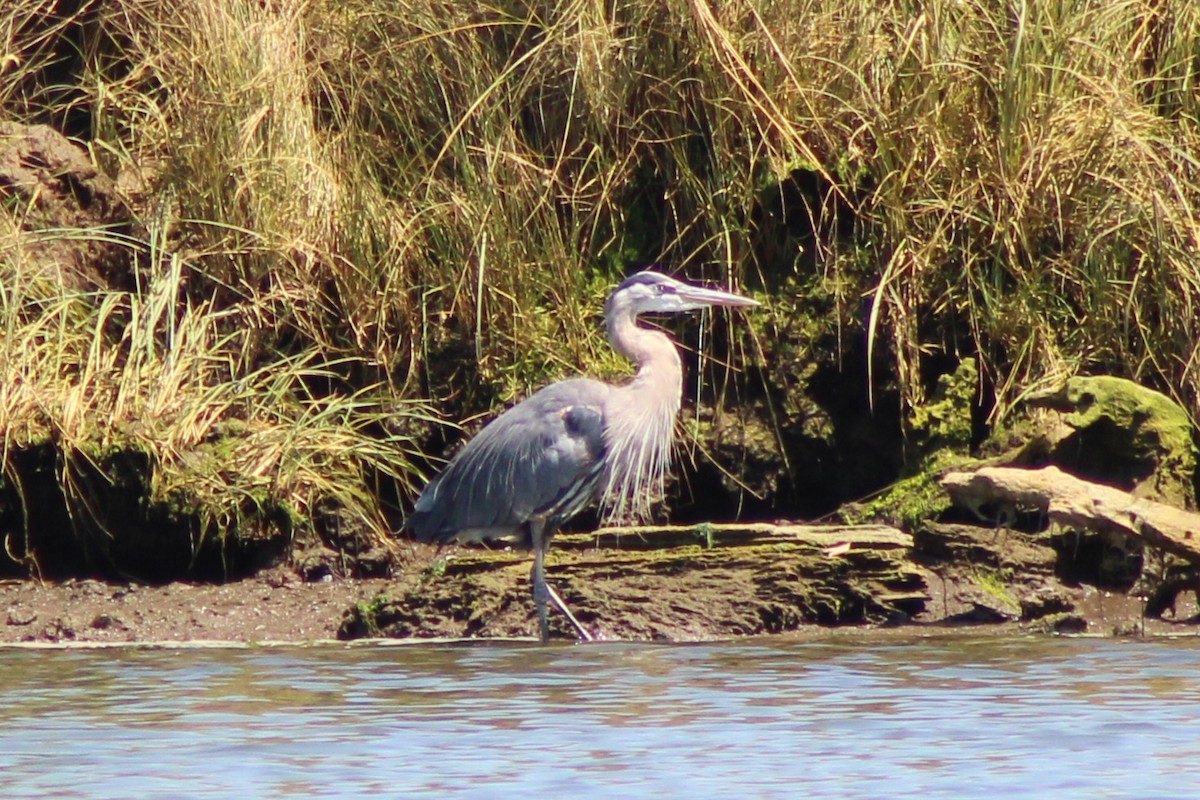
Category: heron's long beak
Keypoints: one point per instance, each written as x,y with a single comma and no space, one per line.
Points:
700,297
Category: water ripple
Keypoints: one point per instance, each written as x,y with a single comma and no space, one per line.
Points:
929,718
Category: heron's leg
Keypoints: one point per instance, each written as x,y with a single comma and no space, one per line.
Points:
539,538
540,591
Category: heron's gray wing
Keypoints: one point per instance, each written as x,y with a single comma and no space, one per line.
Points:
542,456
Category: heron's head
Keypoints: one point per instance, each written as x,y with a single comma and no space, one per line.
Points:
652,292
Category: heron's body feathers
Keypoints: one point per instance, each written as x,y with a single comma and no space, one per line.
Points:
542,457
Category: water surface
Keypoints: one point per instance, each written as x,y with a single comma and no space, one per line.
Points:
844,718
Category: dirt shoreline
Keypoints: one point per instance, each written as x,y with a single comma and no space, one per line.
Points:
272,607
276,607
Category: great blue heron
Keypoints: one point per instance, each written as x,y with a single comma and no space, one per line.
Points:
573,443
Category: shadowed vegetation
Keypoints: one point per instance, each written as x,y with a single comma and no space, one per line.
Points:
343,214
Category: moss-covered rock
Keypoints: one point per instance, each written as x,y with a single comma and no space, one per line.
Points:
1117,432
938,438
940,430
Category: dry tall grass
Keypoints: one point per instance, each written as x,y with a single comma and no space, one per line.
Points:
432,197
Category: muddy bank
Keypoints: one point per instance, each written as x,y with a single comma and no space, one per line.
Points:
274,607
791,579
667,584
676,584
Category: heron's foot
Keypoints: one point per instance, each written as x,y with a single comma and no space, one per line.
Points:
558,601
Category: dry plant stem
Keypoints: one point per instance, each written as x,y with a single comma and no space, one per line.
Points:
1071,501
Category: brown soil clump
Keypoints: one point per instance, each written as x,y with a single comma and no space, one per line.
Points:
56,188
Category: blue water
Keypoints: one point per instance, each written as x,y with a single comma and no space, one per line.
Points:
845,718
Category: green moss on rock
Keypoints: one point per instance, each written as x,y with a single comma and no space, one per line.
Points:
941,429
1126,435
939,438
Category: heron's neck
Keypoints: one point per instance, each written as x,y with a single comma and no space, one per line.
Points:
640,420
659,370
